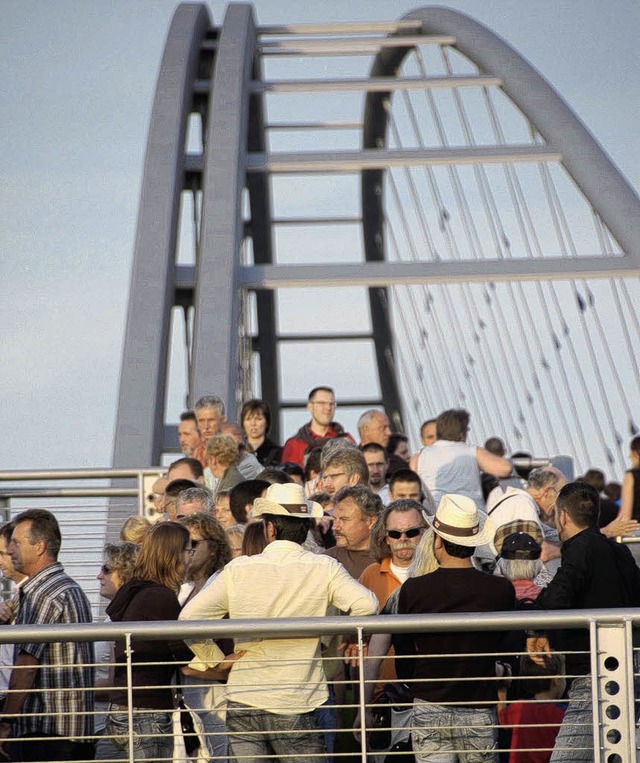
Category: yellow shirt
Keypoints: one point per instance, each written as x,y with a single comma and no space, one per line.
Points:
279,675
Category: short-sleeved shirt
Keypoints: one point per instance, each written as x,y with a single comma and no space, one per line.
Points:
451,467
450,677
58,705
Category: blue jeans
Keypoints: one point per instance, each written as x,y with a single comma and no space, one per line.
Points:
276,734
152,737
443,734
575,738
196,695
327,718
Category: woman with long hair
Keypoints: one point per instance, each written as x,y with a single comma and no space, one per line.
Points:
202,689
151,594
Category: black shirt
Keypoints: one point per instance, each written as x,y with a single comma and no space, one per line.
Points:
595,573
453,590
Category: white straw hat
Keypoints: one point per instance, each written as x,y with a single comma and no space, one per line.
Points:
458,520
288,501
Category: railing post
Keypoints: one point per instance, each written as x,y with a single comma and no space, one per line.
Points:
128,653
361,701
141,494
5,508
5,516
613,691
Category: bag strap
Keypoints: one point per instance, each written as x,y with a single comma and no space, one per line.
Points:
500,502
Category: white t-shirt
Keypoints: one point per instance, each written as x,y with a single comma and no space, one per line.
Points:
451,467
402,573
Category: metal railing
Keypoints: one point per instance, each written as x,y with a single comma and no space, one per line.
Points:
612,660
143,476
80,500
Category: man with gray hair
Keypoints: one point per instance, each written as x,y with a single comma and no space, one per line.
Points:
193,500
374,426
356,511
210,414
393,542
341,467
520,563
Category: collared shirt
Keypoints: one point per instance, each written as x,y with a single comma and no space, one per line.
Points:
62,699
282,675
379,578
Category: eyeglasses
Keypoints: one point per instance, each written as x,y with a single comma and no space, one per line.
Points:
196,543
412,532
189,551
332,477
105,570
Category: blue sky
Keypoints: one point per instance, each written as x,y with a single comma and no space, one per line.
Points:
75,101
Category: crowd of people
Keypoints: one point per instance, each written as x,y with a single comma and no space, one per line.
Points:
329,523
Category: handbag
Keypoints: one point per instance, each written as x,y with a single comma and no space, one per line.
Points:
391,723
190,744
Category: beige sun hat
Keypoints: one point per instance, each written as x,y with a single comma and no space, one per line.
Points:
458,520
288,501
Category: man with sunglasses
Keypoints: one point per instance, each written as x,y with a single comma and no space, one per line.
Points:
394,539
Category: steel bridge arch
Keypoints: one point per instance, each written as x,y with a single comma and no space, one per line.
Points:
212,72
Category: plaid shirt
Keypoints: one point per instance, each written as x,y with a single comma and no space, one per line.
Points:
61,701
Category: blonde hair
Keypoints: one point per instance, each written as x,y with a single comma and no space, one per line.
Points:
161,559
234,531
223,448
424,559
134,529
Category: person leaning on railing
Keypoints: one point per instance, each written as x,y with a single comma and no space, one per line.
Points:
276,684
453,710
595,572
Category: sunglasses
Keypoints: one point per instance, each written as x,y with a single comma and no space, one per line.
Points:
106,570
412,532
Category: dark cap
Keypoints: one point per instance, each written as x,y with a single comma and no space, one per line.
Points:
520,546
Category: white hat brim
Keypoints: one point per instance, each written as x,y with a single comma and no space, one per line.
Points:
485,534
262,506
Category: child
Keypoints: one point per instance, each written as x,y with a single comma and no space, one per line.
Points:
536,721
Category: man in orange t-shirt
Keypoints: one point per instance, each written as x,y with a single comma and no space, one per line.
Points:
394,539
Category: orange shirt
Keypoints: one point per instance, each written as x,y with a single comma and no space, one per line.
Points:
378,578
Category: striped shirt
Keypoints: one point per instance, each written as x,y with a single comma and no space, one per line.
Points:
61,701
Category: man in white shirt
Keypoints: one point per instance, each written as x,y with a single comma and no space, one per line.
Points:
274,688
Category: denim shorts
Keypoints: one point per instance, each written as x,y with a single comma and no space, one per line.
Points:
444,734
255,733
